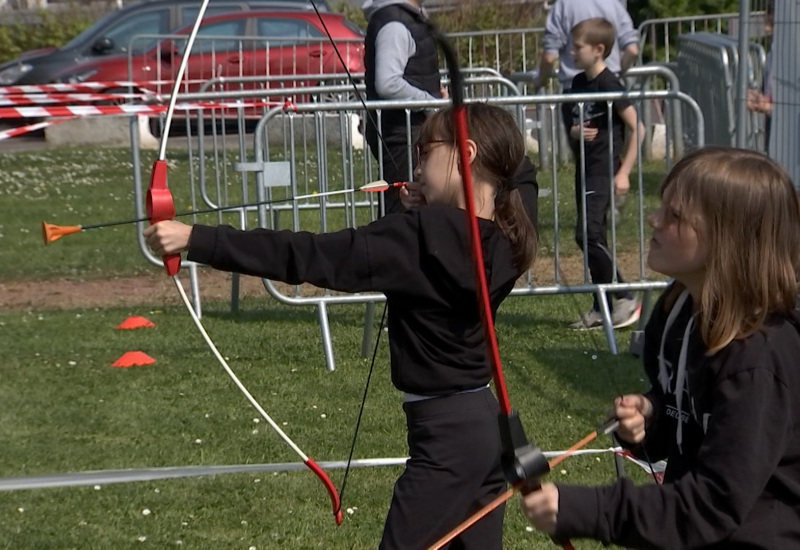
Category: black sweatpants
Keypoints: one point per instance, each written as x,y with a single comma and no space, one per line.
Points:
454,469
395,155
598,203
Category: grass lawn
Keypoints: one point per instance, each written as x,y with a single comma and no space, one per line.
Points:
65,409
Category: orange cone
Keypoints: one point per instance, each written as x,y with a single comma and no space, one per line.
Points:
135,321
133,359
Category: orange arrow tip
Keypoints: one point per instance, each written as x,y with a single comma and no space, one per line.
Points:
52,232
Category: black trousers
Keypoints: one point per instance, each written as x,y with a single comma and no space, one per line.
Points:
454,469
395,154
598,203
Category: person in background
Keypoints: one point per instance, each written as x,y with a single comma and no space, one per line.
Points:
401,63
557,43
760,101
594,143
720,355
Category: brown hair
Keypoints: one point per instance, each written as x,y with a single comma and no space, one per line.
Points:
752,231
500,148
596,32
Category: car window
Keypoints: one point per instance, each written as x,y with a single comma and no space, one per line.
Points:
189,13
290,30
212,37
151,22
353,27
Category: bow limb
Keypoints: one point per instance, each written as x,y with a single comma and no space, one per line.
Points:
308,461
160,207
523,462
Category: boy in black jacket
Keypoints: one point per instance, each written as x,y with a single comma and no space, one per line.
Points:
599,152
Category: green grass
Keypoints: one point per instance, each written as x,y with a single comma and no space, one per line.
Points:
66,410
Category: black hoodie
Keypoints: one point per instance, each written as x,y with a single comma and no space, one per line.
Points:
733,481
420,259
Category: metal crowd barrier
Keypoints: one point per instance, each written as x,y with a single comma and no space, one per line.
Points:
507,51
655,119
707,66
314,131
658,37
294,128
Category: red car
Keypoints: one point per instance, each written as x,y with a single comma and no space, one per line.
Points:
253,43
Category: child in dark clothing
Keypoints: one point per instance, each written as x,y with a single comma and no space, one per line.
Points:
599,151
721,352
420,259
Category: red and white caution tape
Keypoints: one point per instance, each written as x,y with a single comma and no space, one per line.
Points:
94,110
92,86
80,87
20,130
66,98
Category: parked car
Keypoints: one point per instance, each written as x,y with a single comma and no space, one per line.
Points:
252,43
112,34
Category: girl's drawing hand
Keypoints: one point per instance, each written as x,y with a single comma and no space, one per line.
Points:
632,411
411,196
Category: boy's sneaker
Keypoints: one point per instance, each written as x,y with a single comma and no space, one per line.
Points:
626,312
589,320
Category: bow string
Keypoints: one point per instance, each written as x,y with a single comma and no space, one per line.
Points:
160,207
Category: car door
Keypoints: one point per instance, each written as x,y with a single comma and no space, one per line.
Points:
291,46
216,52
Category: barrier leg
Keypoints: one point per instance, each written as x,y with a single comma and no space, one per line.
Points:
325,331
194,284
235,292
636,347
608,325
369,321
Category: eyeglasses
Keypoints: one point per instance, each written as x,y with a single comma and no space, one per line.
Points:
421,149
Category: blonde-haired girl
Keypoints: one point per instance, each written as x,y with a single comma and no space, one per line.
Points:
722,353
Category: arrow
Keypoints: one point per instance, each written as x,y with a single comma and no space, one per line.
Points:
51,232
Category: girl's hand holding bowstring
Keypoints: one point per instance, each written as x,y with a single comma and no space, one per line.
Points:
632,412
411,196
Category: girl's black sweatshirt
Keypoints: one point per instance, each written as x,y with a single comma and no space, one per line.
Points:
733,481
420,259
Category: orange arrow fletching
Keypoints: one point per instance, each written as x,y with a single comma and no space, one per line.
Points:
52,232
